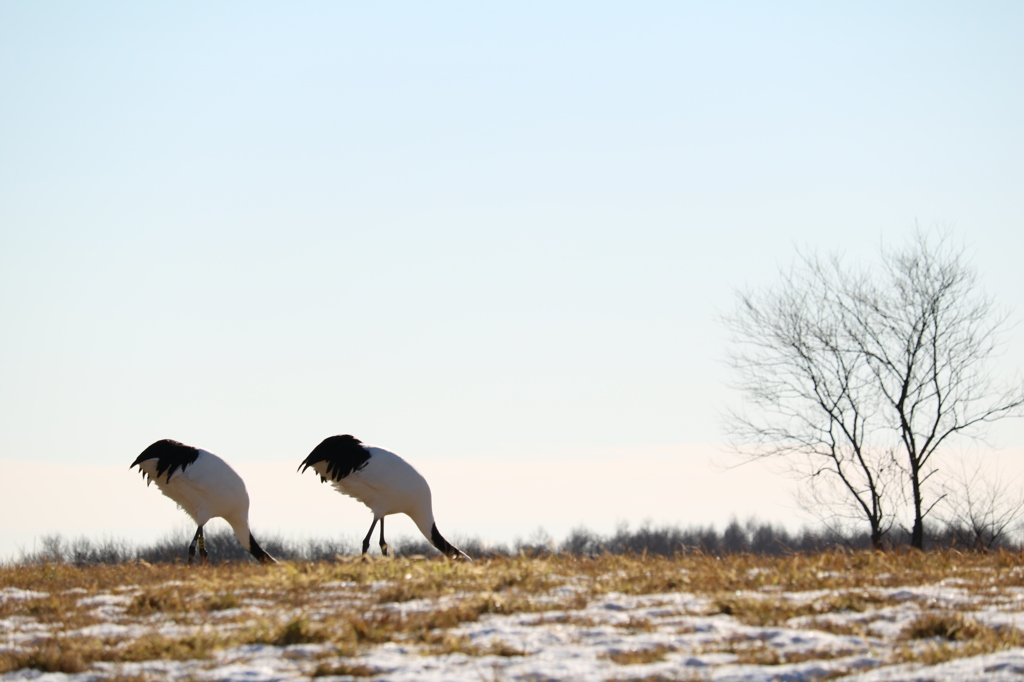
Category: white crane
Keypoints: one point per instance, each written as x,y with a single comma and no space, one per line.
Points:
381,480
204,486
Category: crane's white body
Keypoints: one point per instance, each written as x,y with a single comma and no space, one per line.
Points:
387,484
206,489
381,480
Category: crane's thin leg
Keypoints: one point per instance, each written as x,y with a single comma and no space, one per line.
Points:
192,546
383,545
202,546
366,540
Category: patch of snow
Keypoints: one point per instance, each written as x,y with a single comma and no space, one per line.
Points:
15,594
112,631
932,595
1004,666
610,636
105,600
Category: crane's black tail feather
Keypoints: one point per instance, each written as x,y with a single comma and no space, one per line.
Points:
259,553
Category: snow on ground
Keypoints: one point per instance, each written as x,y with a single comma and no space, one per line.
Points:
671,636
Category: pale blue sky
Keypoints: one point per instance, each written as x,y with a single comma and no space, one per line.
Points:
460,231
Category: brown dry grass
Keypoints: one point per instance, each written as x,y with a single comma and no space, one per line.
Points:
344,668
759,653
417,579
952,635
354,604
952,627
766,609
640,656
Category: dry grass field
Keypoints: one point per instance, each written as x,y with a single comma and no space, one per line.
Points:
866,615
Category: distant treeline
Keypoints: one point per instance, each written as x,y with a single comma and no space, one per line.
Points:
750,537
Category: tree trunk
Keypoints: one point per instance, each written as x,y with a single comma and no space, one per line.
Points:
917,534
876,537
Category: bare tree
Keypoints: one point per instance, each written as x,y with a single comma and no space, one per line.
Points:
854,373
927,334
813,394
979,509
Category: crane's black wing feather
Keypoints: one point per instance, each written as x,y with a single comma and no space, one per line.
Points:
343,455
170,455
